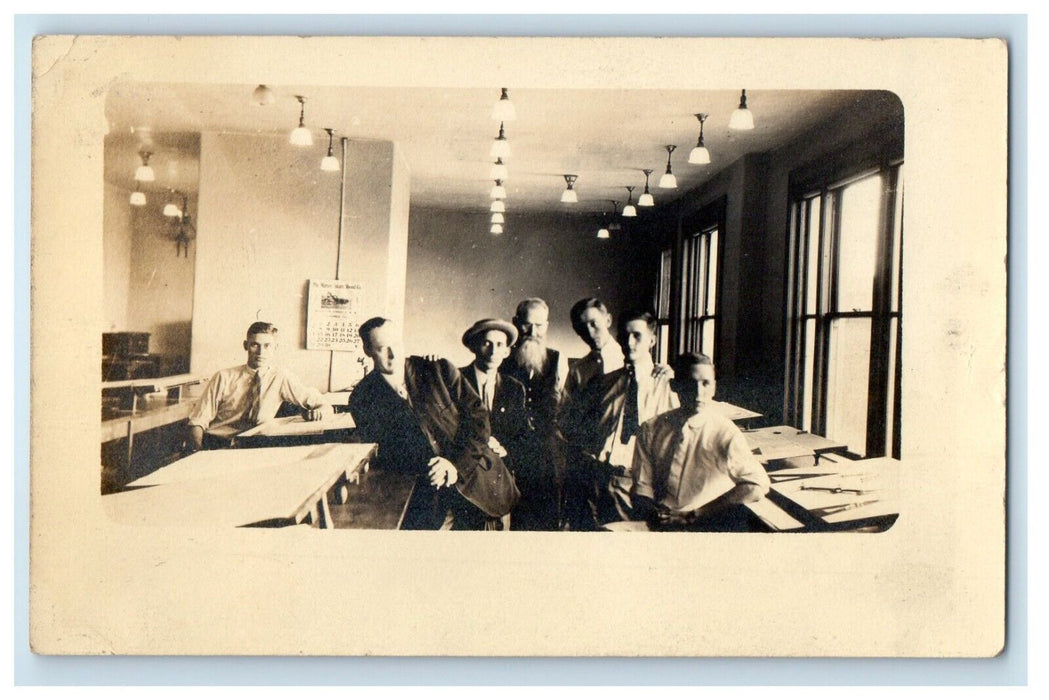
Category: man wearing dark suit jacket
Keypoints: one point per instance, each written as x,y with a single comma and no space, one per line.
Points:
428,421
504,397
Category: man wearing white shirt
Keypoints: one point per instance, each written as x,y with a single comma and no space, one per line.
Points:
601,420
241,397
692,467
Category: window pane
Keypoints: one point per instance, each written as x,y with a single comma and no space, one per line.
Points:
858,243
664,341
890,428
897,241
812,236
701,277
712,273
808,379
848,372
664,285
708,338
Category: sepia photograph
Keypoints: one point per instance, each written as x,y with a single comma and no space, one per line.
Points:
727,320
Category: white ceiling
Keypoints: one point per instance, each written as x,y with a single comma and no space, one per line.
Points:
606,137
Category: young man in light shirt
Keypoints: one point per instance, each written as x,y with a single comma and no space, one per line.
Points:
692,466
241,397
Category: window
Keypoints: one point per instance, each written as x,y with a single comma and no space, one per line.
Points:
662,305
843,311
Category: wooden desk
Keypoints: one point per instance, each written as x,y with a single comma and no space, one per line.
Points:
779,442
272,487
837,494
733,412
291,426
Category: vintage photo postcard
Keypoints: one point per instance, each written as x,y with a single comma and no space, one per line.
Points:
518,346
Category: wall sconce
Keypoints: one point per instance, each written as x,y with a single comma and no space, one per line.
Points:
629,210
645,200
569,196
330,163
504,109
668,181
186,231
742,119
300,135
699,155
498,191
500,146
144,172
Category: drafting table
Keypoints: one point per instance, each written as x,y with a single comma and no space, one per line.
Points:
272,486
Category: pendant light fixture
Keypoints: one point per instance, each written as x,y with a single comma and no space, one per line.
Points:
498,191
499,171
500,146
645,200
263,96
498,206
504,109
300,135
699,155
496,229
668,181
144,172
171,209
742,119
497,218
569,196
138,198
629,210
330,163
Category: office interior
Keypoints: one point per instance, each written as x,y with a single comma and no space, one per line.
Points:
733,260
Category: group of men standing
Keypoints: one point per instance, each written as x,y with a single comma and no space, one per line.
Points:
526,439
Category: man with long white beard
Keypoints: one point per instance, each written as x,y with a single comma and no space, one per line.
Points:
540,471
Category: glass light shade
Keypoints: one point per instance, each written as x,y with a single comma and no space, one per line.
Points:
646,200
496,228
629,211
603,233
301,136
172,210
569,197
667,182
741,120
497,218
498,206
138,199
498,192
263,96
330,164
144,173
499,171
699,156
504,109
500,148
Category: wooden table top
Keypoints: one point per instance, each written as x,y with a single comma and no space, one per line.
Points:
290,426
784,442
237,487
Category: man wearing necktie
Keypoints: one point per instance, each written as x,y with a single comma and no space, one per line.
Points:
241,397
504,398
693,468
600,422
429,422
